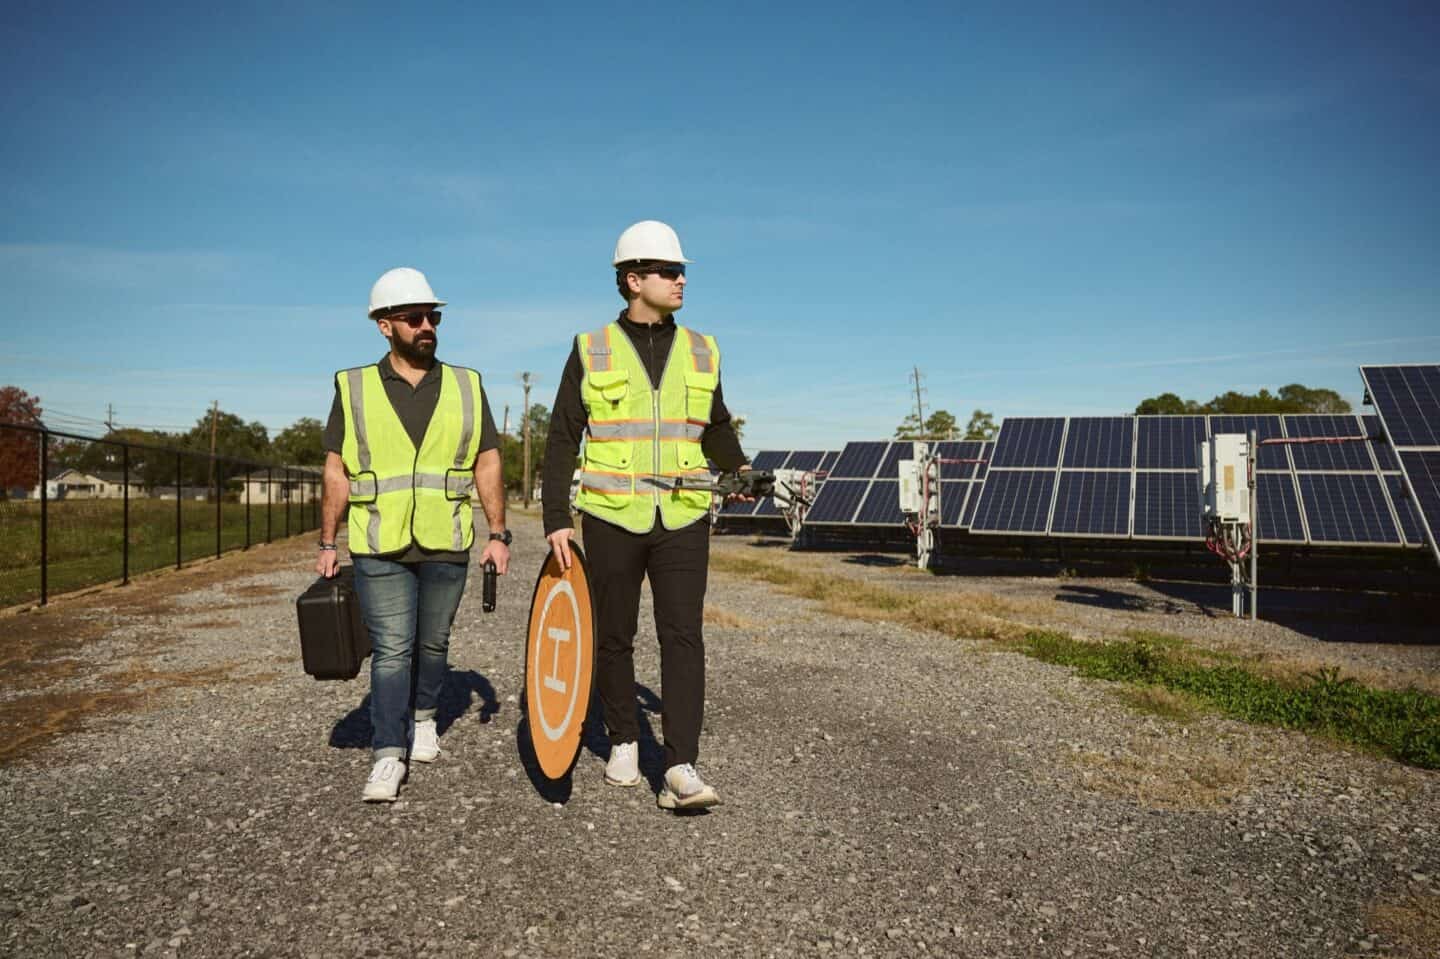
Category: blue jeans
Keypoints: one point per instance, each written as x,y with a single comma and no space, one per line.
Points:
407,606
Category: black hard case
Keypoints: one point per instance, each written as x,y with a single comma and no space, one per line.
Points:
333,639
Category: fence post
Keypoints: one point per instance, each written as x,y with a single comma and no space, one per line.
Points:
44,517
215,471
269,502
247,510
287,502
179,465
125,514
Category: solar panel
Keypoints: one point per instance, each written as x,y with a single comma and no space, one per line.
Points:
1278,509
1015,501
837,501
890,465
1408,398
1092,503
1168,442
1327,456
1379,445
1405,508
882,505
1167,506
1346,508
1101,442
1265,427
959,450
1029,442
972,501
767,507
952,501
859,460
1408,401
804,459
828,462
769,459
1422,469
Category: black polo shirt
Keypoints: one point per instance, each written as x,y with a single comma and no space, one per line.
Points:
414,406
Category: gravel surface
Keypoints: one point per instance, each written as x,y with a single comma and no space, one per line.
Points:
887,792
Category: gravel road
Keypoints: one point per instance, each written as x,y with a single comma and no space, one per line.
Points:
185,790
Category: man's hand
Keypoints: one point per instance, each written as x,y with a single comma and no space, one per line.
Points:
327,564
740,497
560,545
498,553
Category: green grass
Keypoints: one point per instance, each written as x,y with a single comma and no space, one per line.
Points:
1404,724
86,538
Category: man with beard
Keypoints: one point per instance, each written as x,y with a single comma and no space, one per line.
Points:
644,394
408,439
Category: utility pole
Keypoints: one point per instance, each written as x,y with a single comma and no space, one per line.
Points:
919,407
214,416
505,430
110,417
525,427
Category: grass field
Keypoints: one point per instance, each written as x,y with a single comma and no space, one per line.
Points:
87,541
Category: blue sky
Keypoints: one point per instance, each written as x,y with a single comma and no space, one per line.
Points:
1048,211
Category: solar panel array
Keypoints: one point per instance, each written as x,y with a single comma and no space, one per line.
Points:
1136,477
808,460
1407,398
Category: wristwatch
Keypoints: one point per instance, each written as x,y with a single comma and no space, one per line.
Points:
503,536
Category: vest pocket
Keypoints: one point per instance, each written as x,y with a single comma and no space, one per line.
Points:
607,479
699,395
610,386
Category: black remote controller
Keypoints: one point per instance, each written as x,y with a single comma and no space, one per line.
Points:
488,602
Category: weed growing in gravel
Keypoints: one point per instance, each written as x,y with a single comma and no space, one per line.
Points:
1404,724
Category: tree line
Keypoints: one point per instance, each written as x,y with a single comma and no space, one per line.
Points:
299,444
1291,398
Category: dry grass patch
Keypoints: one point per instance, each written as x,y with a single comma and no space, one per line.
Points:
28,723
977,615
260,590
1163,779
1159,701
210,624
1409,926
714,616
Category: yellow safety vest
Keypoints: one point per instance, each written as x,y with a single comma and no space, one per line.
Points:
639,440
400,495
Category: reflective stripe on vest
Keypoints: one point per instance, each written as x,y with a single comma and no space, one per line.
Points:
640,440
400,495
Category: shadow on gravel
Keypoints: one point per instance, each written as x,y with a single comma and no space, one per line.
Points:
875,559
595,740
1114,599
457,695
1328,615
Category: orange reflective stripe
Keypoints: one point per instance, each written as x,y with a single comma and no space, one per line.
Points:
700,352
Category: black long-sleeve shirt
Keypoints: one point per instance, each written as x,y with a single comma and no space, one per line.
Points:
568,419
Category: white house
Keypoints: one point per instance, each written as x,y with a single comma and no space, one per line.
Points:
298,484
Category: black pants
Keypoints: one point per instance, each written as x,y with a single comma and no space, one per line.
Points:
677,562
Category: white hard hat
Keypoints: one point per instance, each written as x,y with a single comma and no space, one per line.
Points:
401,286
648,240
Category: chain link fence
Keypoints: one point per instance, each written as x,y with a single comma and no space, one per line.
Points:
76,511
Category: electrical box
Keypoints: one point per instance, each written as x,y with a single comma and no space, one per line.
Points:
910,499
1225,478
786,482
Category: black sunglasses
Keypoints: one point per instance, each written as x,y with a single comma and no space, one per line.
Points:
413,320
669,271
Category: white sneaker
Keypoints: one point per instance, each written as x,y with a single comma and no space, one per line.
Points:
425,743
384,782
623,769
684,789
